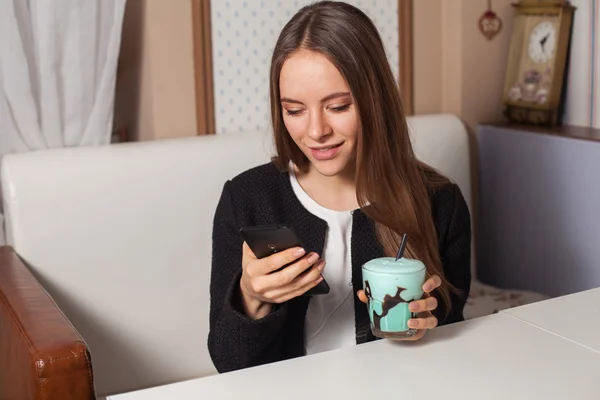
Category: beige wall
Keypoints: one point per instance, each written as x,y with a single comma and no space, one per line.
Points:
155,96
457,69
427,56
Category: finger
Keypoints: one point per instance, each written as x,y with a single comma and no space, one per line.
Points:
428,304
278,260
362,296
299,292
432,283
308,277
257,286
423,323
295,270
247,252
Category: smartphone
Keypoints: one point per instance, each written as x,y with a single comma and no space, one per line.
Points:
265,240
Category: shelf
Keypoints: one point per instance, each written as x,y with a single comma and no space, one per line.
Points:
567,131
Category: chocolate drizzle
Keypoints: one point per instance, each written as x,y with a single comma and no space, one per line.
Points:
389,302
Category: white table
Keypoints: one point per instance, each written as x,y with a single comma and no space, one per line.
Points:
494,357
575,317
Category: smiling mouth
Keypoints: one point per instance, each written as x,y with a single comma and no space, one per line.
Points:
324,149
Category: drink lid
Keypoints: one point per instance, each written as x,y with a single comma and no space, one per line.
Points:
389,265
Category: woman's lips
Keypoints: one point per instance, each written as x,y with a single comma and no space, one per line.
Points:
326,153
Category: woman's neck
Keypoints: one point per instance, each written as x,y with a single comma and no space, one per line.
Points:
336,193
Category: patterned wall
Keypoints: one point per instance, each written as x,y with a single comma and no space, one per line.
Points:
583,91
244,33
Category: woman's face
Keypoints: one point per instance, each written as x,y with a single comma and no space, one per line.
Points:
319,112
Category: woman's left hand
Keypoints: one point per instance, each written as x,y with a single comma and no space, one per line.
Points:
424,307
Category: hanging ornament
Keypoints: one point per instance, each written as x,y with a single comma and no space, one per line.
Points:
489,23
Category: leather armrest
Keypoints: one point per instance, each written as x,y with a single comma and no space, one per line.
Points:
42,356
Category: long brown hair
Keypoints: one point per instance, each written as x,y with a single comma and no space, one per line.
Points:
392,185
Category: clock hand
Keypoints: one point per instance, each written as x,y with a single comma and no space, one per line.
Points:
543,42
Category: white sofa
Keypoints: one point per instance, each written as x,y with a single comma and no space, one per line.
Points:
120,237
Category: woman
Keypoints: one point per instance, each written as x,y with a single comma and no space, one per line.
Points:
347,181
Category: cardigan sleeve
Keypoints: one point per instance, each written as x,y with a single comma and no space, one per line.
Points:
234,340
455,251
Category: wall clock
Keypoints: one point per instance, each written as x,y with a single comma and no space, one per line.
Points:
537,62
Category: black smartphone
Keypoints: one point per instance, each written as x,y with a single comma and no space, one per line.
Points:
265,240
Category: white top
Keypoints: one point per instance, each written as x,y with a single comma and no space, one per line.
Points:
330,318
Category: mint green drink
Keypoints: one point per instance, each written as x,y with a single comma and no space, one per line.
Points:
390,285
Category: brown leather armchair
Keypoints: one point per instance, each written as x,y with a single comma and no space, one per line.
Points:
42,356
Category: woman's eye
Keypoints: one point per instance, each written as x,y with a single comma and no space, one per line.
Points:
340,108
293,113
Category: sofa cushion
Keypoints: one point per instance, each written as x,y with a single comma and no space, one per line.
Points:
484,299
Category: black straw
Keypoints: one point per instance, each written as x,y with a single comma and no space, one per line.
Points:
402,247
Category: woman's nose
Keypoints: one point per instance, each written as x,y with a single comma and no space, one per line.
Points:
318,127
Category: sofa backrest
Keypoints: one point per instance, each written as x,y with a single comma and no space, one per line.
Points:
120,236
442,141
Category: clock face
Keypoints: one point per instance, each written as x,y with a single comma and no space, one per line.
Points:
542,42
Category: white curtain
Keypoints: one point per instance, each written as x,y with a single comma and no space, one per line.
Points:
58,61
58,65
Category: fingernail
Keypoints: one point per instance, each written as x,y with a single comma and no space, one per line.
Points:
412,323
321,265
413,306
299,252
320,279
313,258
427,288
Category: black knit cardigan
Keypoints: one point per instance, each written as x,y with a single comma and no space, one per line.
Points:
264,195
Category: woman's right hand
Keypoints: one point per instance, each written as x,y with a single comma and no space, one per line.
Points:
261,286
